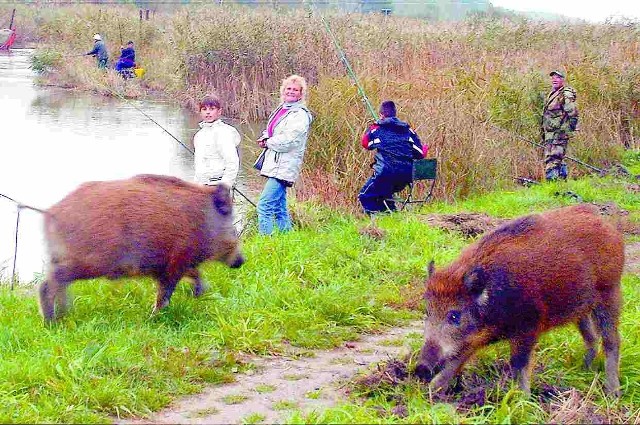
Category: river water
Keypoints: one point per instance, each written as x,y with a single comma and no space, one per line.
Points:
52,140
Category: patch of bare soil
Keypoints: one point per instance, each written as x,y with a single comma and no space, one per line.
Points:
469,224
632,258
474,224
564,405
281,384
373,231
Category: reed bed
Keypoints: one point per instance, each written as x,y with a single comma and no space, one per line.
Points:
469,88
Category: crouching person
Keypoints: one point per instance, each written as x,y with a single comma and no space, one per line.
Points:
397,146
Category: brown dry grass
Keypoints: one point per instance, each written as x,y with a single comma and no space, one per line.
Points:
468,88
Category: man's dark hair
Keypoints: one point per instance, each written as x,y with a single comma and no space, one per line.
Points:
210,101
388,109
129,42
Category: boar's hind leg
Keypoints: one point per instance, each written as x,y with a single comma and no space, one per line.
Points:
52,291
197,285
585,325
521,349
606,315
47,299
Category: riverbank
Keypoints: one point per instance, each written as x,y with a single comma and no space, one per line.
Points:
473,90
322,285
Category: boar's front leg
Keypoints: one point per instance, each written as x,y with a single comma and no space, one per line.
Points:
521,349
166,285
451,369
197,285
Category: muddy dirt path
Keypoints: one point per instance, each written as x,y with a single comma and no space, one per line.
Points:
632,260
281,384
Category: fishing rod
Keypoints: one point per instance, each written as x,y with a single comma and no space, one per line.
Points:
347,65
343,58
576,160
174,137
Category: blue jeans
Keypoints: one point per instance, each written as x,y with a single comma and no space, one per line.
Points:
381,187
273,205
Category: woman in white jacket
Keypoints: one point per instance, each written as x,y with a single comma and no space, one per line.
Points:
216,146
285,141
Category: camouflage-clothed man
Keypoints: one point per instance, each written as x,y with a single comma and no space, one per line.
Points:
559,121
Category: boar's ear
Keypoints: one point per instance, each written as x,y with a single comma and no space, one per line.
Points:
475,280
222,199
431,269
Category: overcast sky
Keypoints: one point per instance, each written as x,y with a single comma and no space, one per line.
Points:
591,10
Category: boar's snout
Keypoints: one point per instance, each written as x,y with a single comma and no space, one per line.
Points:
430,362
235,260
424,373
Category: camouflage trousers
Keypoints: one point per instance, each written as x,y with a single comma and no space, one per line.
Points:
555,166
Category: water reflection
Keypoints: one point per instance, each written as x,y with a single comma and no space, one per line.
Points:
54,139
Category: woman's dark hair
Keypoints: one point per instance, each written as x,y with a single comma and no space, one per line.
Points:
388,109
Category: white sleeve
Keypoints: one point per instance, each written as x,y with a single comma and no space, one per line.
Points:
229,153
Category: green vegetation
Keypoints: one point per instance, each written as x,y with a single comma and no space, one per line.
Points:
109,358
235,399
254,418
284,405
264,388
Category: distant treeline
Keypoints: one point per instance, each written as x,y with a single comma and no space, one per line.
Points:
437,10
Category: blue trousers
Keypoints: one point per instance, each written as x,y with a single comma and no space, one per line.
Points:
124,64
381,187
272,206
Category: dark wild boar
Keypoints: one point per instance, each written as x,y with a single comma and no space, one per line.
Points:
530,275
152,225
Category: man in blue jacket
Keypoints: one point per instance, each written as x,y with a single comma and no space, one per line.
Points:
127,58
397,146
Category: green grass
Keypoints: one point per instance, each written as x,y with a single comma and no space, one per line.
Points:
284,405
254,418
265,388
316,287
235,399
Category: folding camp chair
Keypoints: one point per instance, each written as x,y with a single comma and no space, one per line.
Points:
425,171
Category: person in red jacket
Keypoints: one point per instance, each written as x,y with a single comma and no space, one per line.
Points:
397,145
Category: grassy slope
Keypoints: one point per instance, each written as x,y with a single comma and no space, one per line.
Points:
314,287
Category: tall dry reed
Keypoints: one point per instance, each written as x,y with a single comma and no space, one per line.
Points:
469,88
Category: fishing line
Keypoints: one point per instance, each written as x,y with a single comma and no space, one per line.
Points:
576,160
169,133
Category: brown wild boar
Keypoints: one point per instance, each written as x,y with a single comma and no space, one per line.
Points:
526,277
152,225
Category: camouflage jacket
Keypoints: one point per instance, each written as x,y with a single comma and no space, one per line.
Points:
560,114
